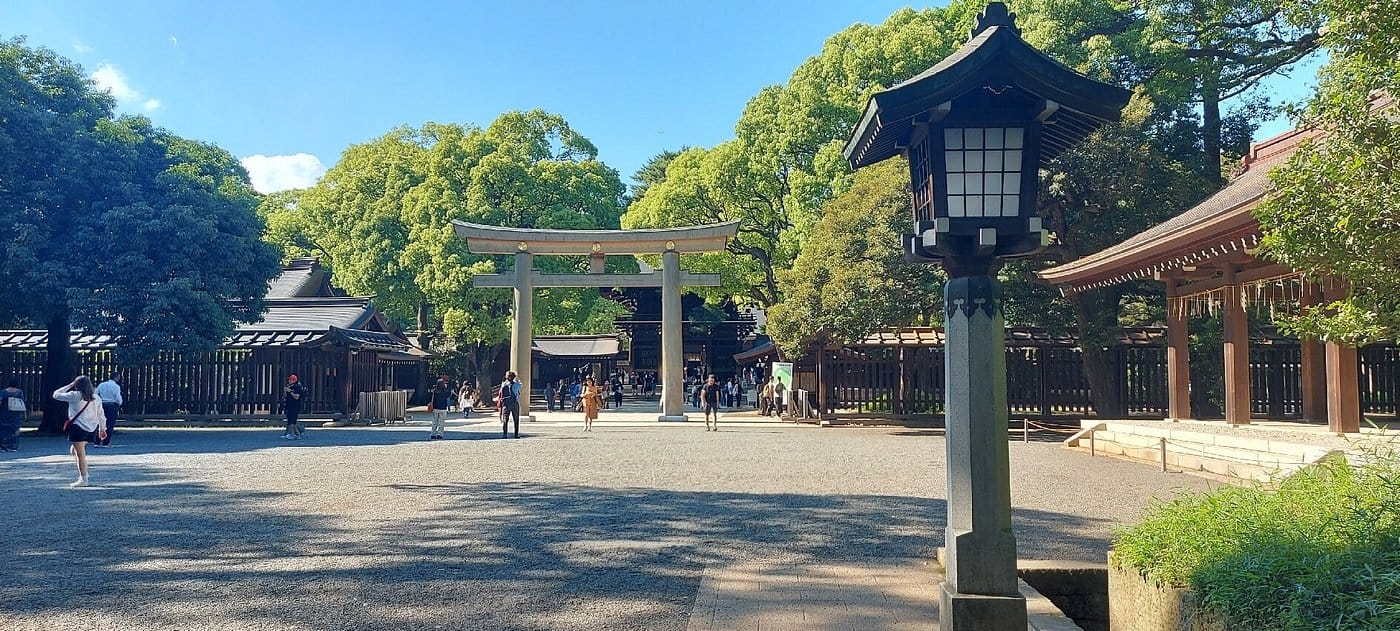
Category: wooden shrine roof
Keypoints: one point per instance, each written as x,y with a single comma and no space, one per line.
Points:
1222,226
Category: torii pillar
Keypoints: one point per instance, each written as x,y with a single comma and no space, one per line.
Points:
670,243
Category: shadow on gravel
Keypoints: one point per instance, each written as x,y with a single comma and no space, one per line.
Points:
222,441
164,553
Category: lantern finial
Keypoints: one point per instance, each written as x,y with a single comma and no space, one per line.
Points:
996,14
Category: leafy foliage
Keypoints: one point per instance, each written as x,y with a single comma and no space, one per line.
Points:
1320,552
117,226
1336,208
852,278
382,217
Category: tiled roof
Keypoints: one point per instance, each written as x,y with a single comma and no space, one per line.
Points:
300,278
313,314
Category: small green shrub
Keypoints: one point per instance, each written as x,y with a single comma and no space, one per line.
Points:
1320,551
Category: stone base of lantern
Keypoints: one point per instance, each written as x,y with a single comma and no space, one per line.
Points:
975,612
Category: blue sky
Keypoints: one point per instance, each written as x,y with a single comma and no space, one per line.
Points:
287,86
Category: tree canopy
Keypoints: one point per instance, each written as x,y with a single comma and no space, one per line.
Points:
1335,211
381,217
116,226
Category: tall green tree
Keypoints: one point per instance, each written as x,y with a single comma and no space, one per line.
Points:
785,161
118,227
382,218
852,277
1335,212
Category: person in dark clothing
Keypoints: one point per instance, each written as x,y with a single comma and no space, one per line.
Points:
442,401
508,395
617,394
293,395
12,410
709,401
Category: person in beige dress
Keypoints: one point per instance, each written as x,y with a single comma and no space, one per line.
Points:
592,399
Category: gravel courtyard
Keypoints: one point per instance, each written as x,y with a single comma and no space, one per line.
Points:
378,528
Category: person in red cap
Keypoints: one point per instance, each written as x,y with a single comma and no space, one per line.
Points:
292,395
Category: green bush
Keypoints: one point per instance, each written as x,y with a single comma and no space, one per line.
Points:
1320,551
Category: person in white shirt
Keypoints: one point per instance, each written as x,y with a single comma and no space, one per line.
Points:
84,418
110,391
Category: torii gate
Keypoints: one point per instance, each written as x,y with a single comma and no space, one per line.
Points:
670,243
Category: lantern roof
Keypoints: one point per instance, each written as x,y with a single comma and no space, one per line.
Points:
995,59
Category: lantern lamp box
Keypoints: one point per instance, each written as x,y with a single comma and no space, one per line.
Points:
976,129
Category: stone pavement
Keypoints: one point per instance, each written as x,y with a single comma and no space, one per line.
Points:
637,525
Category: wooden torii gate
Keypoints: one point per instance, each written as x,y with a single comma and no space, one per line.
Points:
670,243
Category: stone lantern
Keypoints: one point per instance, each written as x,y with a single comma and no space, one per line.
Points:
976,129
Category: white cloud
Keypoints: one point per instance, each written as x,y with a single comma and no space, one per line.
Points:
110,79
151,105
279,173
82,48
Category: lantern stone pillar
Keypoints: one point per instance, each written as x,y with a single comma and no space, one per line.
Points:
672,361
521,334
980,588
975,131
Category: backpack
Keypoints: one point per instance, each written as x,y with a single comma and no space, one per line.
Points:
15,403
507,393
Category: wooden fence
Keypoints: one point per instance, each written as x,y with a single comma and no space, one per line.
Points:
227,382
1047,382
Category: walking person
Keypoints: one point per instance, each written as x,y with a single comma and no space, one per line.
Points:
765,398
709,401
111,393
617,395
464,399
84,418
508,395
549,396
293,395
441,401
592,400
780,393
13,407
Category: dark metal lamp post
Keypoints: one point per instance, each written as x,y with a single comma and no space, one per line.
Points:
976,129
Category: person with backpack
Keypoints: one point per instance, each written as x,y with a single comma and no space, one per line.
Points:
441,401
111,393
508,398
293,395
84,418
12,411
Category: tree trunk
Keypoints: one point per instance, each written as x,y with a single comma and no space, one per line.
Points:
1210,122
58,372
424,337
1096,313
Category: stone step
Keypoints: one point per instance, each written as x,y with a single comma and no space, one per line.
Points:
1204,453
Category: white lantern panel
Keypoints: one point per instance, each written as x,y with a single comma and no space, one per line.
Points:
991,160
955,206
991,206
973,138
972,160
952,139
1015,138
1012,161
1011,205
955,184
954,161
991,183
974,206
972,183
993,138
1011,183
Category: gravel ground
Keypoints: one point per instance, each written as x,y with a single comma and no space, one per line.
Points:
378,528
